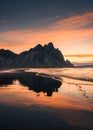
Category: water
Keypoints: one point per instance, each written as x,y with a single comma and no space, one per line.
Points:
48,98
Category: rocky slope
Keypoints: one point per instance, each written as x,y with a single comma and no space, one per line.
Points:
38,57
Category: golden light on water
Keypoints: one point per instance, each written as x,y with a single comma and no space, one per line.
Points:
67,98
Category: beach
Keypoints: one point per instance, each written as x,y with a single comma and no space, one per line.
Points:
46,98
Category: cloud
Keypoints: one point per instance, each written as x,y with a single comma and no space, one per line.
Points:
3,21
74,22
66,34
23,40
51,19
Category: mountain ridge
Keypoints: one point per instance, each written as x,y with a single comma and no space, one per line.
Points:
38,57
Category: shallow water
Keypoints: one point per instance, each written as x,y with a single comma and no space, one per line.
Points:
48,98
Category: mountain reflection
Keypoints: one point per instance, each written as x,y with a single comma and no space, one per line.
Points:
32,81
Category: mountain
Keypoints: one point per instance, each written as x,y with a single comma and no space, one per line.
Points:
6,58
38,57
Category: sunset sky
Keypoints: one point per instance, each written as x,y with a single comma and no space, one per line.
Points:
66,23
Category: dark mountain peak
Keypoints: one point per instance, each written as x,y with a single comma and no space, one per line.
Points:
6,51
1,49
7,54
38,47
68,63
50,44
41,48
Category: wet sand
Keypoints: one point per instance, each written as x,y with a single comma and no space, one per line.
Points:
23,106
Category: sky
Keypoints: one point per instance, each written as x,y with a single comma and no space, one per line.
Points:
66,23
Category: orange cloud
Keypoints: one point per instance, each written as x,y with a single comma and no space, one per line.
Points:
28,38
74,22
69,40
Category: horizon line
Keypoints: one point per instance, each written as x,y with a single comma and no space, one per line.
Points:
79,55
